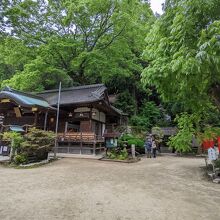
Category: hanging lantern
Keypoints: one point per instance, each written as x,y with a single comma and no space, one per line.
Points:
34,109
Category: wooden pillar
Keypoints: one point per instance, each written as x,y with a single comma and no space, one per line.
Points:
35,118
81,143
66,127
94,146
90,120
68,147
45,120
120,121
100,147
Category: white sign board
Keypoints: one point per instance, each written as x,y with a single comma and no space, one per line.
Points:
212,154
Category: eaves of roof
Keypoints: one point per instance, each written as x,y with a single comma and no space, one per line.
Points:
24,100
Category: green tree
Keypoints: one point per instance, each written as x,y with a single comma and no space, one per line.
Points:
183,50
182,142
84,41
149,116
14,55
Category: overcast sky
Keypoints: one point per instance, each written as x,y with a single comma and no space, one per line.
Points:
156,6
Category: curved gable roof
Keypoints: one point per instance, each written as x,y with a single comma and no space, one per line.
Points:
23,99
75,95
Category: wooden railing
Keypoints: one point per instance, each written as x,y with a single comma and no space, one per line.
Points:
80,137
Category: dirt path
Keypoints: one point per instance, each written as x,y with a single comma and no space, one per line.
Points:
164,188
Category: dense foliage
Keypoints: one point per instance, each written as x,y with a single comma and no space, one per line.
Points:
183,50
129,139
117,154
37,143
76,42
33,146
149,116
15,140
183,140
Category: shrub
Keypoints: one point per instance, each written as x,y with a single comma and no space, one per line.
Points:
15,138
217,163
131,139
118,154
37,143
210,133
15,141
112,154
20,159
182,141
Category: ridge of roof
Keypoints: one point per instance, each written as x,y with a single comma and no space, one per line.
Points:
73,88
9,89
119,111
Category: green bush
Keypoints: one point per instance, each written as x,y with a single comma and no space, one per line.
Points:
210,133
217,163
124,154
137,142
182,141
37,143
20,159
118,154
15,138
112,154
131,139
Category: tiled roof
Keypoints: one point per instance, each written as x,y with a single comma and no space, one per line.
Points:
75,95
23,99
69,96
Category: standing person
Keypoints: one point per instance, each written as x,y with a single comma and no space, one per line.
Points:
216,151
158,144
154,147
148,145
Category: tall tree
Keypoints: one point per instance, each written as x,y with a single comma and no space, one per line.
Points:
183,50
84,41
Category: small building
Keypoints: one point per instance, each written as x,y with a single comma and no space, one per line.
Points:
165,131
86,115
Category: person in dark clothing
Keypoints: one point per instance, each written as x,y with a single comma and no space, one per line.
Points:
154,148
158,147
148,145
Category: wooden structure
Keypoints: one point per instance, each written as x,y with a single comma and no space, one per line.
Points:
85,115
165,131
26,110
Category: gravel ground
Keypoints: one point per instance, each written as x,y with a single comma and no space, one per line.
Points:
167,187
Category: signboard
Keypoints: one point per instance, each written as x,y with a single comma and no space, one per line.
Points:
1,119
4,149
212,154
